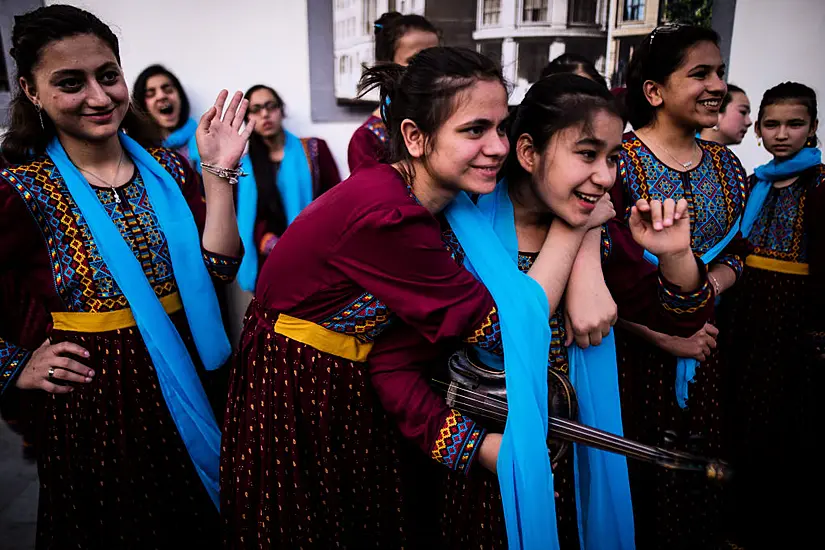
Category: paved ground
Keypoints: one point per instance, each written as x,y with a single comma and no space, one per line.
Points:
18,494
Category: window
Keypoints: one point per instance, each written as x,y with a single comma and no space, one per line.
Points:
369,9
491,12
582,12
4,74
634,10
532,58
534,11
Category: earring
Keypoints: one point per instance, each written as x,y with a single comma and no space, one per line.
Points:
715,128
759,142
40,115
811,142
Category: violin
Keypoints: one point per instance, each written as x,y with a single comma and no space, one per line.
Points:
479,390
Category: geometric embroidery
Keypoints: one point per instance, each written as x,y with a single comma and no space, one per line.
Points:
11,359
364,318
457,442
378,129
715,190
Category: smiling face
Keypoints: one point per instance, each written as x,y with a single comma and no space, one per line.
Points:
80,86
785,127
575,169
163,101
692,95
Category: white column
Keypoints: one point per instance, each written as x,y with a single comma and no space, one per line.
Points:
558,13
509,59
557,48
510,16
610,49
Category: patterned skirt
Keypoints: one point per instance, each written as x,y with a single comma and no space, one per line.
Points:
472,515
672,509
309,458
776,410
114,472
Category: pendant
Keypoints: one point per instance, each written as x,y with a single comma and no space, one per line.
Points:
117,196
687,164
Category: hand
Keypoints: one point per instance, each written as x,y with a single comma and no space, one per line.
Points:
589,311
50,358
603,212
488,452
696,347
221,141
661,228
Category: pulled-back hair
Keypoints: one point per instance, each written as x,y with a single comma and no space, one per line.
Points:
32,32
570,63
732,89
659,55
391,27
139,91
789,92
424,91
551,105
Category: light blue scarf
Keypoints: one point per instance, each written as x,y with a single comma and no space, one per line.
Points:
176,372
295,187
185,135
686,366
602,484
523,465
773,171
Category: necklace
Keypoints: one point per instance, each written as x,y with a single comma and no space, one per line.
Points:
684,165
112,185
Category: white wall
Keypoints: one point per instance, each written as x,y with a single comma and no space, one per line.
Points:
775,41
233,44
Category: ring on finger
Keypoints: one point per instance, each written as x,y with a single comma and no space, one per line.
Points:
51,372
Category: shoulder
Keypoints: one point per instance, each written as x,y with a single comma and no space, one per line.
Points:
724,161
27,176
173,162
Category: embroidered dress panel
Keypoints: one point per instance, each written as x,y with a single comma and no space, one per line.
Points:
779,230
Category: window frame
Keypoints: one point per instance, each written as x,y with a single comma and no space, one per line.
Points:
547,16
643,7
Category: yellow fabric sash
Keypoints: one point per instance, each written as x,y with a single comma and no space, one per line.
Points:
781,266
322,339
107,320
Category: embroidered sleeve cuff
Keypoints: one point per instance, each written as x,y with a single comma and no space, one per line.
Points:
12,359
223,268
458,442
734,262
267,243
488,335
681,303
607,243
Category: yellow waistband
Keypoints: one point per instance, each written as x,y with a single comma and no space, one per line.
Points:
769,264
322,339
108,320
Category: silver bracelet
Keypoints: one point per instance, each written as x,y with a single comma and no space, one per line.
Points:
715,284
231,174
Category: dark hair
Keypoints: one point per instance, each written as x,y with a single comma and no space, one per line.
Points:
391,27
32,32
139,91
789,92
570,63
424,91
656,58
732,89
552,104
270,205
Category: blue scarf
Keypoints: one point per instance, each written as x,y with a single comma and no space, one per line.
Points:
773,171
185,135
179,382
686,366
602,484
523,465
295,187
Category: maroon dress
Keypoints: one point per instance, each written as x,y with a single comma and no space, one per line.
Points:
773,328
309,457
469,506
368,145
114,472
672,509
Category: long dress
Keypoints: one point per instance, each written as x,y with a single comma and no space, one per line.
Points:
774,330
114,472
469,502
368,144
673,510
309,457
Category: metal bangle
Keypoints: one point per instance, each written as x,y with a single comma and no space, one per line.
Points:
230,174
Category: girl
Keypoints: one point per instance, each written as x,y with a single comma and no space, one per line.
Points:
564,146
113,291
576,64
675,86
397,39
734,118
284,174
774,327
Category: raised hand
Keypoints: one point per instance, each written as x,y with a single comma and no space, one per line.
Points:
663,228
221,141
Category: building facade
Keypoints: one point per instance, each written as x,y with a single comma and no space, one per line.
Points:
629,22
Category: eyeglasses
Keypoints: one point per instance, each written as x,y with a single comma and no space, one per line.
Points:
664,29
269,106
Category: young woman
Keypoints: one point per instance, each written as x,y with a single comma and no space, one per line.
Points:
284,174
397,39
675,87
565,139
112,288
734,118
576,64
159,94
775,329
